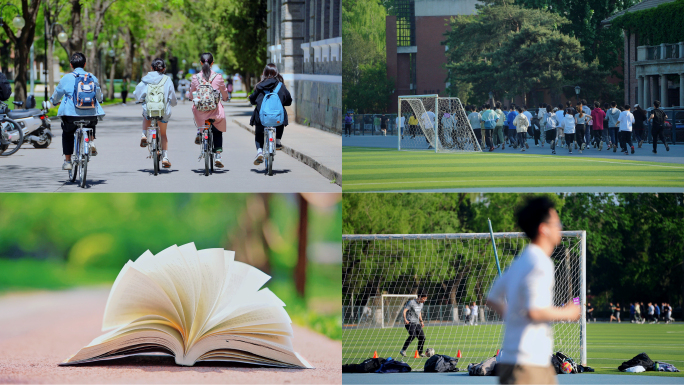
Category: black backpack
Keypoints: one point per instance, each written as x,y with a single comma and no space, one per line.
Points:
535,122
484,368
5,89
640,359
559,358
659,117
441,363
392,366
368,366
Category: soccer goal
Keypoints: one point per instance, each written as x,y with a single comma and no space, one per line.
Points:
430,122
381,273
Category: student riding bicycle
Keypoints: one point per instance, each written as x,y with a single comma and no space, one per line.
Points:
79,95
270,79
159,89
208,84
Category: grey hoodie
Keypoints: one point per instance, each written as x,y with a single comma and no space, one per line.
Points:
613,115
155,77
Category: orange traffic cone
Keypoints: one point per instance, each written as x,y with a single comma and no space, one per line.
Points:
416,355
375,355
497,352
458,355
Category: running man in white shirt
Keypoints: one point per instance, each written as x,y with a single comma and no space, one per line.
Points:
413,322
625,122
474,315
526,289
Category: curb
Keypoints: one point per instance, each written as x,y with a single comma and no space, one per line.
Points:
327,172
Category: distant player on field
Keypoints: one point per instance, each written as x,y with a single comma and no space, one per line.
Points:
526,288
413,322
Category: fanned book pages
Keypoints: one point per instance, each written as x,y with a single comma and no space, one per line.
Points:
194,305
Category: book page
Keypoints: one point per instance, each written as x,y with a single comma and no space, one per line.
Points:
161,269
262,298
135,295
274,314
212,267
189,252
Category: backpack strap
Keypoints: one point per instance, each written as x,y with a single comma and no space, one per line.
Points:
211,79
277,88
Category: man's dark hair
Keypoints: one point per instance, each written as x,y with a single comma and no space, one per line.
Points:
498,105
627,107
520,109
422,294
487,106
77,60
613,104
535,212
656,103
596,104
512,107
567,103
584,102
560,106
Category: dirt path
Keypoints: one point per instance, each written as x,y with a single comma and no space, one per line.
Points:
39,330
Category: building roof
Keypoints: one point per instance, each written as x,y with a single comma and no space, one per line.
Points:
644,5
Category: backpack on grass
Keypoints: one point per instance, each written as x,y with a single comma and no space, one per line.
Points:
155,99
484,368
441,363
392,366
272,113
368,366
84,91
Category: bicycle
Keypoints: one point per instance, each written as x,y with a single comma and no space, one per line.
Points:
207,150
11,133
81,155
154,144
270,149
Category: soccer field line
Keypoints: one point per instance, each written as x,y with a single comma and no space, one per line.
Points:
589,160
468,181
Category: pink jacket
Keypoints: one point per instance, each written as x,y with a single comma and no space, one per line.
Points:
218,114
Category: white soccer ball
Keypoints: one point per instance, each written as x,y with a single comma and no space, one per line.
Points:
430,352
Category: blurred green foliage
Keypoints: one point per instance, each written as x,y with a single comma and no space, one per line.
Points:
56,241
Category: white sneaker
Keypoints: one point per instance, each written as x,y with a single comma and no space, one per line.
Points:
143,141
165,162
67,165
259,158
217,160
93,149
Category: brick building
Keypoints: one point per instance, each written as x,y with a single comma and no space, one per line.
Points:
305,42
647,68
415,55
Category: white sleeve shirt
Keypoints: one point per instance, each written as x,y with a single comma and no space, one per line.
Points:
527,284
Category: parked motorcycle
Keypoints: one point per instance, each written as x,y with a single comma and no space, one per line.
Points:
34,122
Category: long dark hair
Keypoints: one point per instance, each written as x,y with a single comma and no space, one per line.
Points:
270,72
207,60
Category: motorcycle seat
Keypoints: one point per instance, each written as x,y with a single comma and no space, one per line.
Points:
21,114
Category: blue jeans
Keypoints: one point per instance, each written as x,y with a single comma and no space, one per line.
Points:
512,136
612,131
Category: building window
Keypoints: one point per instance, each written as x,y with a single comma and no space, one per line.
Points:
406,23
307,20
336,19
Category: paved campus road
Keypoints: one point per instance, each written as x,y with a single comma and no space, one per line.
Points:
122,165
41,329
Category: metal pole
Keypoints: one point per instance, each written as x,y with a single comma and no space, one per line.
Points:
45,71
436,124
32,71
401,129
583,282
496,255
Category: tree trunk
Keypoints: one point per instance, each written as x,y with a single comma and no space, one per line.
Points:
300,269
22,45
20,69
112,72
75,42
129,50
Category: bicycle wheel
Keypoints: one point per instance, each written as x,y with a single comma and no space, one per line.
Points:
212,163
15,130
83,172
73,172
269,164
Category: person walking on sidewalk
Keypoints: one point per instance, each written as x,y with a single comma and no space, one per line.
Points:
124,90
348,122
489,119
154,78
521,124
65,96
657,119
597,116
512,132
209,78
625,122
613,114
270,80
499,128
581,122
568,125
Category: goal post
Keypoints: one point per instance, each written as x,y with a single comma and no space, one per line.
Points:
431,122
382,272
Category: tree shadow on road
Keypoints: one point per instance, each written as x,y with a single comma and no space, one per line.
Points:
263,171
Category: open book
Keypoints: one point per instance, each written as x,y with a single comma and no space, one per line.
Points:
195,305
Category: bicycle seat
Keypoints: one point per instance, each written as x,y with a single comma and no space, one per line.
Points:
21,114
85,120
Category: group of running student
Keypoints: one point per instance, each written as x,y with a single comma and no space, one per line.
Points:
581,126
71,110
652,313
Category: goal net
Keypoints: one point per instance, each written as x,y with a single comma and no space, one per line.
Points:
440,124
383,272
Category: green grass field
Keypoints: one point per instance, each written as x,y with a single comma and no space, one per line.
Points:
608,345
376,169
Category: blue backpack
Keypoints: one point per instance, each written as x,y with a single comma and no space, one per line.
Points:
84,91
272,113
